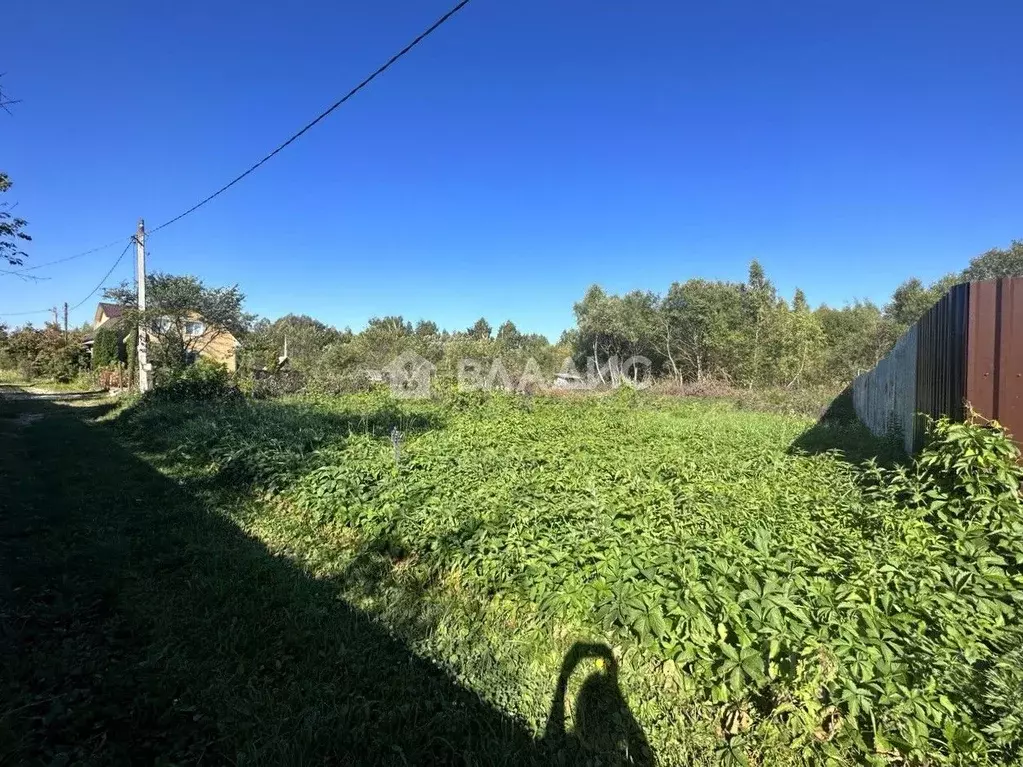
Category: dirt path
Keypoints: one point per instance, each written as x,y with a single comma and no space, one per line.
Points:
17,392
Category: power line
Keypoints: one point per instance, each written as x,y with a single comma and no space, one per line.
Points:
131,241
110,271
390,62
68,258
430,30
23,314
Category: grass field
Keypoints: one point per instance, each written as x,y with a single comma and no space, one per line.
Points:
494,580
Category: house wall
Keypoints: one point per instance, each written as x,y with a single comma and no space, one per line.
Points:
219,347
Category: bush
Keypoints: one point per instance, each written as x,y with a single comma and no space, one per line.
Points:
203,380
278,384
340,382
808,401
64,364
106,348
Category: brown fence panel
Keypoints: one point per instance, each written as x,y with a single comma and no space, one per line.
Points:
941,362
994,376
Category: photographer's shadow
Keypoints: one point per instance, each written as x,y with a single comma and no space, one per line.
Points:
604,730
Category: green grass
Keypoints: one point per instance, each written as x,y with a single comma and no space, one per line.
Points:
80,384
522,580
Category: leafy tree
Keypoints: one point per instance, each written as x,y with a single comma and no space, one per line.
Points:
6,360
801,343
996,263
427,329
760,304
508,335
480,329
697,324
615,326
912,299
12,229
173,304
856,337
306,339
45,352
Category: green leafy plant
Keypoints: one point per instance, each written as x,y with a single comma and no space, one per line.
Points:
812,611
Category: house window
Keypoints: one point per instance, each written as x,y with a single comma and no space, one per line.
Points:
164,324
194,328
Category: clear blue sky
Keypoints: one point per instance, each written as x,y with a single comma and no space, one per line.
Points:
525,151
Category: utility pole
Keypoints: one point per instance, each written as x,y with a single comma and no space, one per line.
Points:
140,259
56,320
65,323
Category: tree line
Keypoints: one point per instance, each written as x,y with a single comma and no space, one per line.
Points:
748,335
742,333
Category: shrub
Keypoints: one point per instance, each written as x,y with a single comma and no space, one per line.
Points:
278,384
340,382
203,380
64,364
105,348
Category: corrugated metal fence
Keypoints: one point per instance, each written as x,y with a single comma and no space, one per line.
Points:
967,349
994,375
941,360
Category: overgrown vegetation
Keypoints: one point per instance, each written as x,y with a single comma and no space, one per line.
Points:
763,604
43,353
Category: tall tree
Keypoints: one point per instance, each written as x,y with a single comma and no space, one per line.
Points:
183,316
480,329
802,343
508,335
698,323
856,337
760,300
909,303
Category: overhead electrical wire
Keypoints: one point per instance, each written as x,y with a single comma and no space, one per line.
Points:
325,113
110,271
131,241
89,252
390,62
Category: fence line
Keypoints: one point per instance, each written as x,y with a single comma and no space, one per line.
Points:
968,348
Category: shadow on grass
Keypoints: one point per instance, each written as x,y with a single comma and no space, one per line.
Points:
840,431
603,722
138,625
289,424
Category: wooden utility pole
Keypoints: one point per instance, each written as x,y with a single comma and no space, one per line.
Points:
56,317
65,323
140,258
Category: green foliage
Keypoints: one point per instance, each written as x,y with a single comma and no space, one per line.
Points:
804,609
204,380
747,335
106,348
12,229
44,353
997,263
183,316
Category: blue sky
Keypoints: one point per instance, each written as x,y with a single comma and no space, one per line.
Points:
525,151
